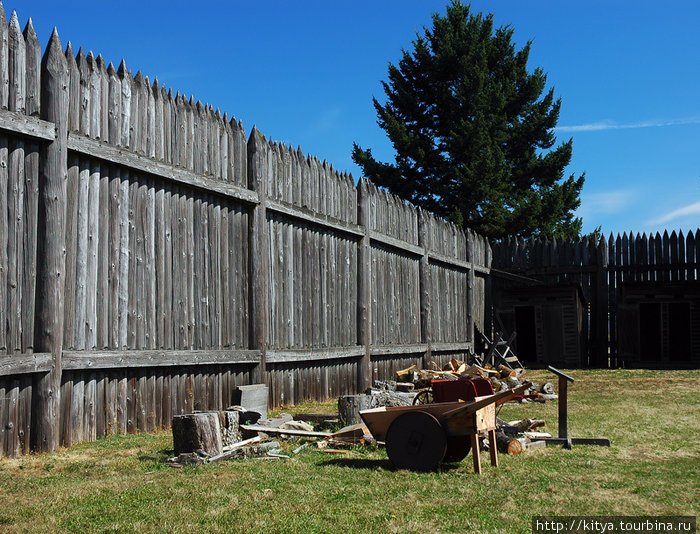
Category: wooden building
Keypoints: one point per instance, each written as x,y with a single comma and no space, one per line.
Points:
550,321
659,324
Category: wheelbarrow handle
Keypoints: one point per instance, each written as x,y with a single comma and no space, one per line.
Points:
498,398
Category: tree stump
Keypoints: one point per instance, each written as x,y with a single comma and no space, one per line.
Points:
192,432
349,407
229,424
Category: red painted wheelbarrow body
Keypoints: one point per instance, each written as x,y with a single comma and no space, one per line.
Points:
420,437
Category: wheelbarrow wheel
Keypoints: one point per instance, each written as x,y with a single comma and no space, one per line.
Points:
416,441
457,448
423,397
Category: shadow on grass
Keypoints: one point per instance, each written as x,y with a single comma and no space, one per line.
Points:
374,464
158,456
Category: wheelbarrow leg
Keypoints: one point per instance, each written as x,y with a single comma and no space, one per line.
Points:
475,453
492,448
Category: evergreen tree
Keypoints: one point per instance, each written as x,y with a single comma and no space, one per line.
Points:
473,132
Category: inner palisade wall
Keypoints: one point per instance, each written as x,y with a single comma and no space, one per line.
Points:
153,256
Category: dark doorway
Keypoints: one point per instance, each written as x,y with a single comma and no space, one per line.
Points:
650,332
679,330
527,336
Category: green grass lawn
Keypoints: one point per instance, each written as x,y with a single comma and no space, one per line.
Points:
122,484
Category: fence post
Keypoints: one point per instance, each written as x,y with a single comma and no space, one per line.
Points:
364,289
470,289
600,351
426,289
48,332
258,268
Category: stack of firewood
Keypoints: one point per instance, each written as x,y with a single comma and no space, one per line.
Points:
502,378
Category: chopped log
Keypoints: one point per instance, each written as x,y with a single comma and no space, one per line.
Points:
516,427
506,371
547,388
192,432
405,375
350,406
507,444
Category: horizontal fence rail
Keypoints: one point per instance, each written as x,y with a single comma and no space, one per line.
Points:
153,256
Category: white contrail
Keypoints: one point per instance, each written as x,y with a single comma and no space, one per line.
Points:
612,125
692,209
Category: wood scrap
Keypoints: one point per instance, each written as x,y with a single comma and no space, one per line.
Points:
535,445
277,421
350,436
289,432
296,425
317,418
231,450
537,435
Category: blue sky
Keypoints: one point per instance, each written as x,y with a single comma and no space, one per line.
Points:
304,72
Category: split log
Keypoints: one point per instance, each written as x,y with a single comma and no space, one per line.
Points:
405,375
508,445
516,427
192,432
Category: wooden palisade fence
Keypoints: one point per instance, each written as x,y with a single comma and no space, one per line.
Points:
152,258
661,270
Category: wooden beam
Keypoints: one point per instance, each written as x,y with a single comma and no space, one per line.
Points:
120,156
450,262
81,360
385,350
451,347
301,355
305,215
21,364
26,125
398,244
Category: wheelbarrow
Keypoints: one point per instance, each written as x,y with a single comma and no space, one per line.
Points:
420,437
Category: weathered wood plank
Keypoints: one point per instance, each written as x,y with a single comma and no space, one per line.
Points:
19,364
51,246
18,123
137,162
